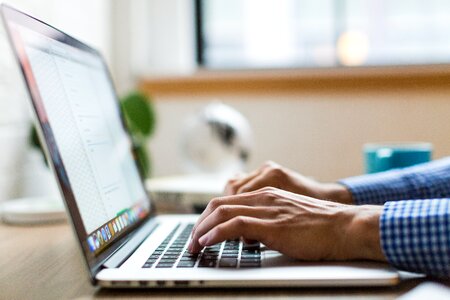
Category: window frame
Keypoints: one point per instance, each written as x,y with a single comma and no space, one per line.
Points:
200,55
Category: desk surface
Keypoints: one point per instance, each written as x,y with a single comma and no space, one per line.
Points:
43,262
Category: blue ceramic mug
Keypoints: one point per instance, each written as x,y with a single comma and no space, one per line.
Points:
383,157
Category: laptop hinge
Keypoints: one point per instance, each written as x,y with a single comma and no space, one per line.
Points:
119,257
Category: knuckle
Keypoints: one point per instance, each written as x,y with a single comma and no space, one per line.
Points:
276,172
214,203
240,221
223,210
269,193
282,202
281,211
232,182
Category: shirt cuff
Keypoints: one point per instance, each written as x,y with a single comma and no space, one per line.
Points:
415,235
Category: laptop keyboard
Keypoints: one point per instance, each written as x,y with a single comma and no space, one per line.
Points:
173,253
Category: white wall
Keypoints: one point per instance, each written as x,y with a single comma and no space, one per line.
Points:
152,37
319,134
86,20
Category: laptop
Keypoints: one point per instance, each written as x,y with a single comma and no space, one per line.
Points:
123,242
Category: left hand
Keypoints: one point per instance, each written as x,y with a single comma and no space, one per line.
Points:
271,174
298,226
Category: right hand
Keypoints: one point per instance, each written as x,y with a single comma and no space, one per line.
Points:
298,226
271,174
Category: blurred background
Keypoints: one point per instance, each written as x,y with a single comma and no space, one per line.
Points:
315,79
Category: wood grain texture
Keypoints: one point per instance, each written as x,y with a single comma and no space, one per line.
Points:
43,262
311,80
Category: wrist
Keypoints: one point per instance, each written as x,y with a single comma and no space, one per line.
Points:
338,193
362,234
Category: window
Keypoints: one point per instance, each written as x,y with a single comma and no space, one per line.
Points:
240,34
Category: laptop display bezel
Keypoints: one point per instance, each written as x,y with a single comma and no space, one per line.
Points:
12,16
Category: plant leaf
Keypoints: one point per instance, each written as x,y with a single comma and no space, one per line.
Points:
139,113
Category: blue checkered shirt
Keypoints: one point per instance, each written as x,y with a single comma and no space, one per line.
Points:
415,223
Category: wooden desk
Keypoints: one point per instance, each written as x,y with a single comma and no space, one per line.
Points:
43,262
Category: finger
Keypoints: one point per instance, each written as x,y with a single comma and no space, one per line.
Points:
250,199
221,215
258,182
242,226
249,242
234,184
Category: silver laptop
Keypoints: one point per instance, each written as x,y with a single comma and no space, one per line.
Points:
123,242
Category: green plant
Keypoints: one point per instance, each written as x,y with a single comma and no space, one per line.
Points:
140,118
141,121
33,140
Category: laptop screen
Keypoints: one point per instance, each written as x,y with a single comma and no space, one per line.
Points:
80,119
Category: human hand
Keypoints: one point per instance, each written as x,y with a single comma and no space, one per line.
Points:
271,174
298,226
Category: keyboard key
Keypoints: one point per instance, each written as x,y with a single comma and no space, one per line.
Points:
231,248
177,248
247,256
217,246
171,255
188,258
230,251
211,251
228,262
234,255
250,259
169,258
187,254
173,250
251,246
244,252
207,264
185,264
209,257
160,265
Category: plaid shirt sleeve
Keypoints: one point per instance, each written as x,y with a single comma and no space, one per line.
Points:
415,235
425,181
415,223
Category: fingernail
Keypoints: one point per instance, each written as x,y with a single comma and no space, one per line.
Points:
203,240
190,246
